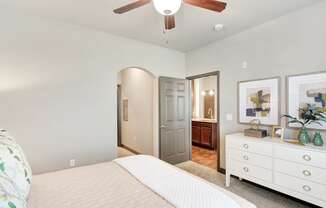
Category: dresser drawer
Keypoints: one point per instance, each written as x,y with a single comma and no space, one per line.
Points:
249,146
251,158
245,169
306,157
302,186
301,171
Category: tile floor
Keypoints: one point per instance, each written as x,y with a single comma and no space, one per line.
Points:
204,157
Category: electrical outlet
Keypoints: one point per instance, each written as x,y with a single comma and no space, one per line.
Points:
72,163
244,65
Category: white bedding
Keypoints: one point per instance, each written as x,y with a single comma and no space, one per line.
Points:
112,185
105,185
178,187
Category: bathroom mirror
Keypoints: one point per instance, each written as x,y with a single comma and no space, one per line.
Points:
204,97
209,103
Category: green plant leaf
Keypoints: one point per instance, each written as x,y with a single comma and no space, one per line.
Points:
317,123
11,205
2,167
288,116
320,114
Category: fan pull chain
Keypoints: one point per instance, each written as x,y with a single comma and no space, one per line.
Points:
165,33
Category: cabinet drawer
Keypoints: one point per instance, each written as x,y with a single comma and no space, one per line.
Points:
301,171
206,124
250,158
196,123
302,186
253,147
245,169
305,157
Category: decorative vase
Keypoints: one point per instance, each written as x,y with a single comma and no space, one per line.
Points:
318,140
304,136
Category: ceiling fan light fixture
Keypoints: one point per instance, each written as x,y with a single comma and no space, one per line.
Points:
167,7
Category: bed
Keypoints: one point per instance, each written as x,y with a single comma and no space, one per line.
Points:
131,182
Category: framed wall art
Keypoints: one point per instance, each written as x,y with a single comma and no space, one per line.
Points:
259,99
306,91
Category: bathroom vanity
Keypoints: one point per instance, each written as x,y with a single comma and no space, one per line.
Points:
204,133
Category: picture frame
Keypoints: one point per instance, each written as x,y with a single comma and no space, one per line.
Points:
278,132
304,89
290,136
259,99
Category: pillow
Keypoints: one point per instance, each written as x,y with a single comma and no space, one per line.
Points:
15,172
9,197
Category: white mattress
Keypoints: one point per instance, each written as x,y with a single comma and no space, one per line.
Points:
179,187
106,185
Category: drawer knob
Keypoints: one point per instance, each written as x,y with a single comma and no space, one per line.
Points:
246,169
306,188
245,157
306,157
246,146
306,173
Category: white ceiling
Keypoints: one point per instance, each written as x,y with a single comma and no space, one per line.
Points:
194,25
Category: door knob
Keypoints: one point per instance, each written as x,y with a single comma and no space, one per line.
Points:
162,126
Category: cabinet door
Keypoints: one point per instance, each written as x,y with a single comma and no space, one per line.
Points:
196,134
206,136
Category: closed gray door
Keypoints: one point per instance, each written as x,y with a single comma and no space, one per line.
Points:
174,120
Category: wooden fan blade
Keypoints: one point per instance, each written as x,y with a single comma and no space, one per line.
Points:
131,6
169,22
213,5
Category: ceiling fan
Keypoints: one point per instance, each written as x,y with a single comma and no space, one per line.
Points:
169,7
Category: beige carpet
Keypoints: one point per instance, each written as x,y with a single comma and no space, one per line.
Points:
262,198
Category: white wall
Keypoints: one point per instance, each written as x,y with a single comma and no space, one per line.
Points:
58,87
137,86
288,45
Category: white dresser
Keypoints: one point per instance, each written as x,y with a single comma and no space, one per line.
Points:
299,171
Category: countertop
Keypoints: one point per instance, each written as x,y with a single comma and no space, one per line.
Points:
206,120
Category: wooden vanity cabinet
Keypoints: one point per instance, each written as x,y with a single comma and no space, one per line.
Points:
196,132
204,134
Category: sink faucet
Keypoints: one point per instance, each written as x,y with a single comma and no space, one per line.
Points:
210,113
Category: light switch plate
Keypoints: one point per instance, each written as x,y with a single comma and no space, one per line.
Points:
229,117
72,163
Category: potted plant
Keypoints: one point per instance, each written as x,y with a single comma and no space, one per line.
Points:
308,116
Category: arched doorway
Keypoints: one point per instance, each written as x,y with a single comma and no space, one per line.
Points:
136,110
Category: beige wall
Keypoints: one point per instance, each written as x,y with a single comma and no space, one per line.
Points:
137,86
58,87
288,45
